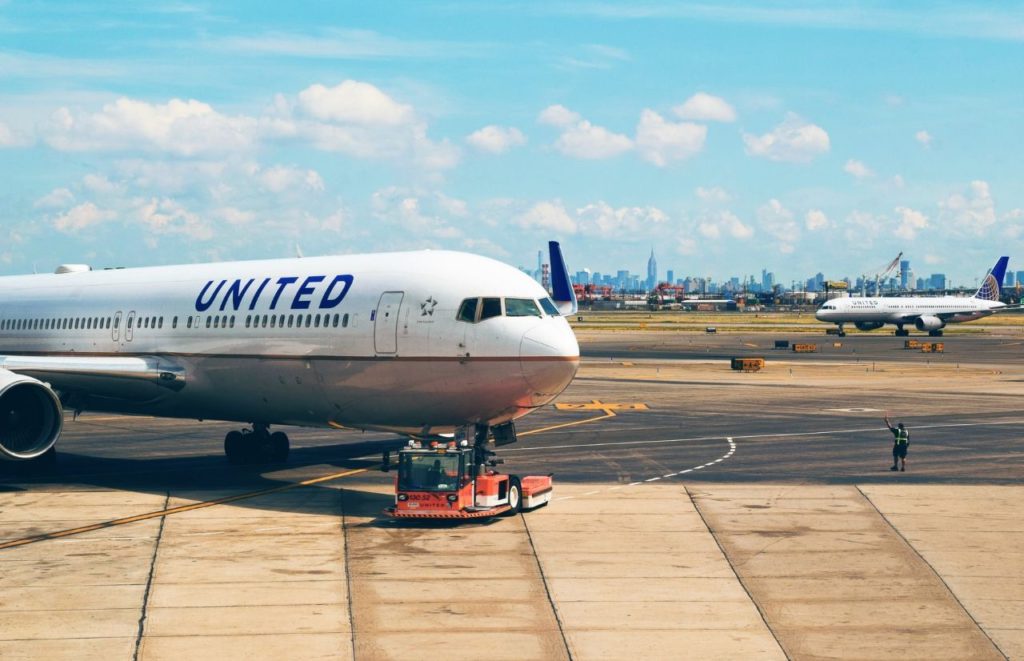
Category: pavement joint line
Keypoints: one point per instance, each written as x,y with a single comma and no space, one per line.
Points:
175,510
748,437
144,611
348,575
547,589
728,560
934,572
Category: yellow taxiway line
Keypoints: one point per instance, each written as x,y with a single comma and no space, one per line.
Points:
175,510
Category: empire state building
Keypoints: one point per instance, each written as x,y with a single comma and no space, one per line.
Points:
652,271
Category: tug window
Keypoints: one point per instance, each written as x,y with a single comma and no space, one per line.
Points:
467,311
521,307
491,308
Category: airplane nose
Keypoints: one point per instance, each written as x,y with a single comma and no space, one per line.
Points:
549,356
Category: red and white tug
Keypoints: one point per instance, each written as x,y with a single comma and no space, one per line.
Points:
454,480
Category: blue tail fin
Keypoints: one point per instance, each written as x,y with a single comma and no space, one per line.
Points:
561,288
990,286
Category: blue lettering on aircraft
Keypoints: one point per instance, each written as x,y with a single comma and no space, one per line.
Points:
232,293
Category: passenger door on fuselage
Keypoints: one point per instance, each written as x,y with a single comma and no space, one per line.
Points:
385,322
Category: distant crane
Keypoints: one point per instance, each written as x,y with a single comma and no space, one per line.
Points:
880,275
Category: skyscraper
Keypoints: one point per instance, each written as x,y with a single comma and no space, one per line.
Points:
652,271
905,274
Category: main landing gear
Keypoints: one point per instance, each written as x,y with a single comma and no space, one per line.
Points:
256,446
900,332
935,333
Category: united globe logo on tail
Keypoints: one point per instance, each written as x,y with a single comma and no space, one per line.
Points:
989,290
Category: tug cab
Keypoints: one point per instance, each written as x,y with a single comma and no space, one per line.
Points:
453,480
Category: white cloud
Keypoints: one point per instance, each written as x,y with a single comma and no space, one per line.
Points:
862,228
910,222
586,141
857,169
82,216
932,259
973,213
55,199
354,102
924,137
660,141
496,139
778,221
9,138
234,216
712,194
716,225
707,108
167,216
815,220
418,214
601,219
184,128
794,141
280,178
99,183
548,216
558,115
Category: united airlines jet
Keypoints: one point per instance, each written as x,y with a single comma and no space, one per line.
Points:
416,343
926,313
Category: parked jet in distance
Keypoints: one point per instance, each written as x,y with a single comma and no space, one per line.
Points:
926,313
416,343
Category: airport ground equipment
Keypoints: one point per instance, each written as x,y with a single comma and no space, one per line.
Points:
454,480
748,364
933,347
805,348
781,344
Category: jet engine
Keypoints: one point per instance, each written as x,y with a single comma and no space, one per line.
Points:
928,322
868,325
31,417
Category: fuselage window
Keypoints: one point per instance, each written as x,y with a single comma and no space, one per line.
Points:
521,307
309,320
160,322
232,321
209,320
188,324
280,321
264,323
316,321
273,321
248,320
549,306
174,322
78,323
290,321
491,308
344,320
467,311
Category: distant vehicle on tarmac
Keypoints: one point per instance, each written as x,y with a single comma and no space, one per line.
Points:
925,313
417,343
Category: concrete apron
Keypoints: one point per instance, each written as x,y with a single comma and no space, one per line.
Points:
834,579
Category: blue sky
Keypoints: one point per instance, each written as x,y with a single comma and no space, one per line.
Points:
798,137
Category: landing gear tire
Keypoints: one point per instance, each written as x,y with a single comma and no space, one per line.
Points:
515,497
935,333
902,333
235,447
279,447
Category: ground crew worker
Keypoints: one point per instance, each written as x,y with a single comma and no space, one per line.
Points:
901,441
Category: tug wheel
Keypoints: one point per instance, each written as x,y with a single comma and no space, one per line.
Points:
515,496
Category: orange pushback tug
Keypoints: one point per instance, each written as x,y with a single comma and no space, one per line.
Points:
452,480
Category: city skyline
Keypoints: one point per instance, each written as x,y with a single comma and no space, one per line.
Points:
789,136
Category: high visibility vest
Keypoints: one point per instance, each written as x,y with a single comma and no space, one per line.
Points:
902,436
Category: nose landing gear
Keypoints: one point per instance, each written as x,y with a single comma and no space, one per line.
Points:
256,446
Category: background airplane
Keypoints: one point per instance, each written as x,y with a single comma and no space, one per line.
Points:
926,313
416,343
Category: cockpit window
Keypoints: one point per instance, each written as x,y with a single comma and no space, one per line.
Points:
521,307
467,311
549,306
491,308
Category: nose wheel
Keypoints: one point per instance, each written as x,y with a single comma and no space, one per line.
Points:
256,446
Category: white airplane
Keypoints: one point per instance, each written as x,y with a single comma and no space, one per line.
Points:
926,313
416,343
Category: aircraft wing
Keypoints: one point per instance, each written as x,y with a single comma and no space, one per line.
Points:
137,378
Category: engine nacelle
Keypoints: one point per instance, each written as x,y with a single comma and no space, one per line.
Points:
928,322
31,417
868,325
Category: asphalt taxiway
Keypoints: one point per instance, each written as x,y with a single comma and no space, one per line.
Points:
699,513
